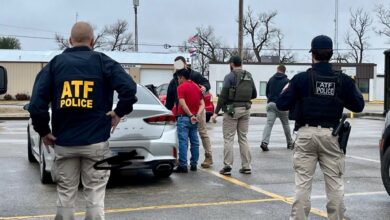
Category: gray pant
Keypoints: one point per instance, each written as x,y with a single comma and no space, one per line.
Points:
272,114
69,164
317,145
239,122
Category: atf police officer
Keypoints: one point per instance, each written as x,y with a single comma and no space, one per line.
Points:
235,100
79,85
317,98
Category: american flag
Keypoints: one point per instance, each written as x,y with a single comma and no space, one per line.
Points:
192,39
192,51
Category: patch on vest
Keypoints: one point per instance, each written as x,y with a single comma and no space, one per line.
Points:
325,88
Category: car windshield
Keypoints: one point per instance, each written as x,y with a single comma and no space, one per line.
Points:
144,96
163,89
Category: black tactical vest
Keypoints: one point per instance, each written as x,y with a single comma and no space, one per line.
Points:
323,105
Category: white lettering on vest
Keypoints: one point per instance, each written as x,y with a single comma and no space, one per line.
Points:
325,88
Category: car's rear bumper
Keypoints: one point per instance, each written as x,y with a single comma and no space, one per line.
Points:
154,152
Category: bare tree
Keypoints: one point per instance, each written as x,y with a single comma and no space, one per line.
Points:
98,43
343,57
207,44
112,37
208,48
383,15
61,41
359,23
64,43
284,55
117,38
247,53
260,30
248,56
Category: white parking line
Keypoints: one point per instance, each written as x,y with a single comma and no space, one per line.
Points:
363,158
13,132
13,141
354,194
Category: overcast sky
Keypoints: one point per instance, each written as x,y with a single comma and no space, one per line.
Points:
173,21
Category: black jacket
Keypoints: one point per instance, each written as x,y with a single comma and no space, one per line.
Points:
275,85
79,85
172,87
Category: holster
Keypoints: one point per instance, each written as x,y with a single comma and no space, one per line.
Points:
344,136
230,109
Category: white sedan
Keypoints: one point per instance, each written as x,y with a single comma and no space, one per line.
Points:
150,130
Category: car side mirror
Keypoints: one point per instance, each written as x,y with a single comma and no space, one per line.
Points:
25,107
3,80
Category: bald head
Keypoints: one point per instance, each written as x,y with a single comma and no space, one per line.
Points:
81,34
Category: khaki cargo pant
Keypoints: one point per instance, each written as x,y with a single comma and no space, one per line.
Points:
69,164
239,122
202,129
316,144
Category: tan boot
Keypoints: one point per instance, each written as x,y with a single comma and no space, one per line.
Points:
208,161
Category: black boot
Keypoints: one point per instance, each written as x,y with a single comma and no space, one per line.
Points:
264,146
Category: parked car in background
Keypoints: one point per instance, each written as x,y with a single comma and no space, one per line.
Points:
384,149
3,80
208,99
162,92
150,130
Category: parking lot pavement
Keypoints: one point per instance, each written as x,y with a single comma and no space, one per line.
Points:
265,194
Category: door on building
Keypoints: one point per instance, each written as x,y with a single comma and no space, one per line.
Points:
155,76
364,86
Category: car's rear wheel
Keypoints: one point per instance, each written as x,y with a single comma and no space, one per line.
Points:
385,170
45,176
163,170
30,154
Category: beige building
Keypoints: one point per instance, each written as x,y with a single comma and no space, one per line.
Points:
145,68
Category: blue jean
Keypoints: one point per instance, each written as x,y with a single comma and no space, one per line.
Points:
186,130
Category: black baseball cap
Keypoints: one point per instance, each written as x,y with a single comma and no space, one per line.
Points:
321,42
236,60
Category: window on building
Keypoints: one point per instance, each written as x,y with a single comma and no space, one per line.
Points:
262,88
219,87
363,85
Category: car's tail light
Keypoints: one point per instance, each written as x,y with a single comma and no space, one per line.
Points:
174,152
161,120
381,144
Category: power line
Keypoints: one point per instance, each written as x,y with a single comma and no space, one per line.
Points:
26,36
182,46
29,28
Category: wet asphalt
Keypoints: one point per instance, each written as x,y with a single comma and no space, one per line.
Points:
265,194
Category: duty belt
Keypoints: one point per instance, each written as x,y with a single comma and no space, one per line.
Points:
322,124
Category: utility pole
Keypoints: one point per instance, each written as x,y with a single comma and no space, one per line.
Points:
336,30
136,4
240,26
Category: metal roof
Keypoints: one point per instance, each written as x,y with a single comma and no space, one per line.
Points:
120,57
